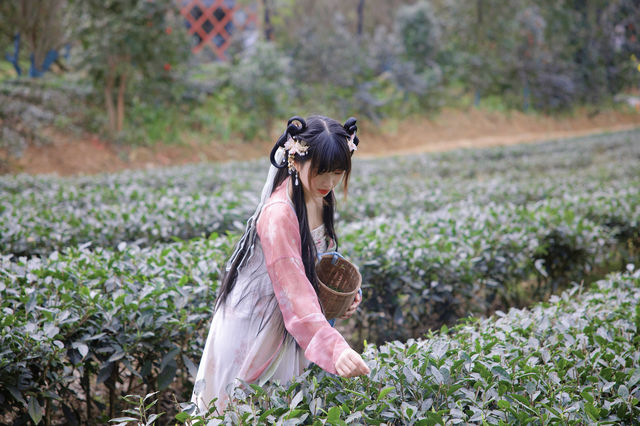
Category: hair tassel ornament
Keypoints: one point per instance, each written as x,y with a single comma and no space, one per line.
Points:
294,147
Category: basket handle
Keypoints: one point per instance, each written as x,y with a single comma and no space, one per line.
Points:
335,254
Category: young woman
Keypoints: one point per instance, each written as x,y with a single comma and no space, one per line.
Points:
268,323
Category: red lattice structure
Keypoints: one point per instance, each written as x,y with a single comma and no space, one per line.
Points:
213,22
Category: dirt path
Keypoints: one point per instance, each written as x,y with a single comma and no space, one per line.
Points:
70,155
488,141
476,129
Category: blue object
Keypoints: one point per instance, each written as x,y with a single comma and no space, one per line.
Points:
335,254
34,70
16,53
49,59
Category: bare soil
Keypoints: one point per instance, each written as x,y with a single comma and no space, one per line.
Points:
71,154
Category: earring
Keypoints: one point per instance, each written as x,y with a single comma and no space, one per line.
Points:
296,173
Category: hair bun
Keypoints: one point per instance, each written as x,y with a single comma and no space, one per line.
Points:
351,128
293,128
350,125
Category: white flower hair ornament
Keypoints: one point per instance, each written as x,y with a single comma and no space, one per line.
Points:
352,146
293,147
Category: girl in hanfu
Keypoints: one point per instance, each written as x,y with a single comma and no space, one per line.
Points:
267,322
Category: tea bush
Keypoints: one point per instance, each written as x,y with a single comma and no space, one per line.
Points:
78,328
572,360
40,214
438,266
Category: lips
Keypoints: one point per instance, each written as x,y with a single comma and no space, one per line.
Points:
323,191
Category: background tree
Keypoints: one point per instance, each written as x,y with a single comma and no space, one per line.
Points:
124,41
41,27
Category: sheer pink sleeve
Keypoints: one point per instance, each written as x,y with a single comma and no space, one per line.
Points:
280,238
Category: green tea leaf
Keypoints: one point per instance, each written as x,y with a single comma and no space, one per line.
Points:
592,411
384,392
35,410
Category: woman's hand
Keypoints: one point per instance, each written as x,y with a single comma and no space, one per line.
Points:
353,307
351,364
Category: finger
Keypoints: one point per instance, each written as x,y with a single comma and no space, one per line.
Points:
344,369
349,365
346,364
349,313
361,366
357,300
363,369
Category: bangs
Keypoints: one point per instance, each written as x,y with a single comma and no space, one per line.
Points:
330,155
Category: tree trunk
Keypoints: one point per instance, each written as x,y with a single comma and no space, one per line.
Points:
86,384
268,28
108,95
121,90
360,16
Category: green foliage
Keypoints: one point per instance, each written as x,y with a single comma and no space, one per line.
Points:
420,33
41,214
29,106
150,124
570,361
139,413
411,58
91,320
435,236
548,55
130,45
141,36
256,82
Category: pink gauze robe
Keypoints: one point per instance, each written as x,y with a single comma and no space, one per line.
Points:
245,339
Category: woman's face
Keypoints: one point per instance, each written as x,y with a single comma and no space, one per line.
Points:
318,185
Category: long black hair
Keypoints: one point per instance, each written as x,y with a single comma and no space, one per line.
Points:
328,151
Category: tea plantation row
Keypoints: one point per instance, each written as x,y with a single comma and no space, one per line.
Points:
42,214
75,327
139,316
438,266
574,360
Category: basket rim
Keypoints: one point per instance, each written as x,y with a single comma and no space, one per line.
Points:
339,293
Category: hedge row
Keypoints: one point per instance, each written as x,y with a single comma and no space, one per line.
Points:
438,266
79,328
42,214
573,360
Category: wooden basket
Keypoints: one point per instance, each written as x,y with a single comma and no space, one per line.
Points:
339,281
